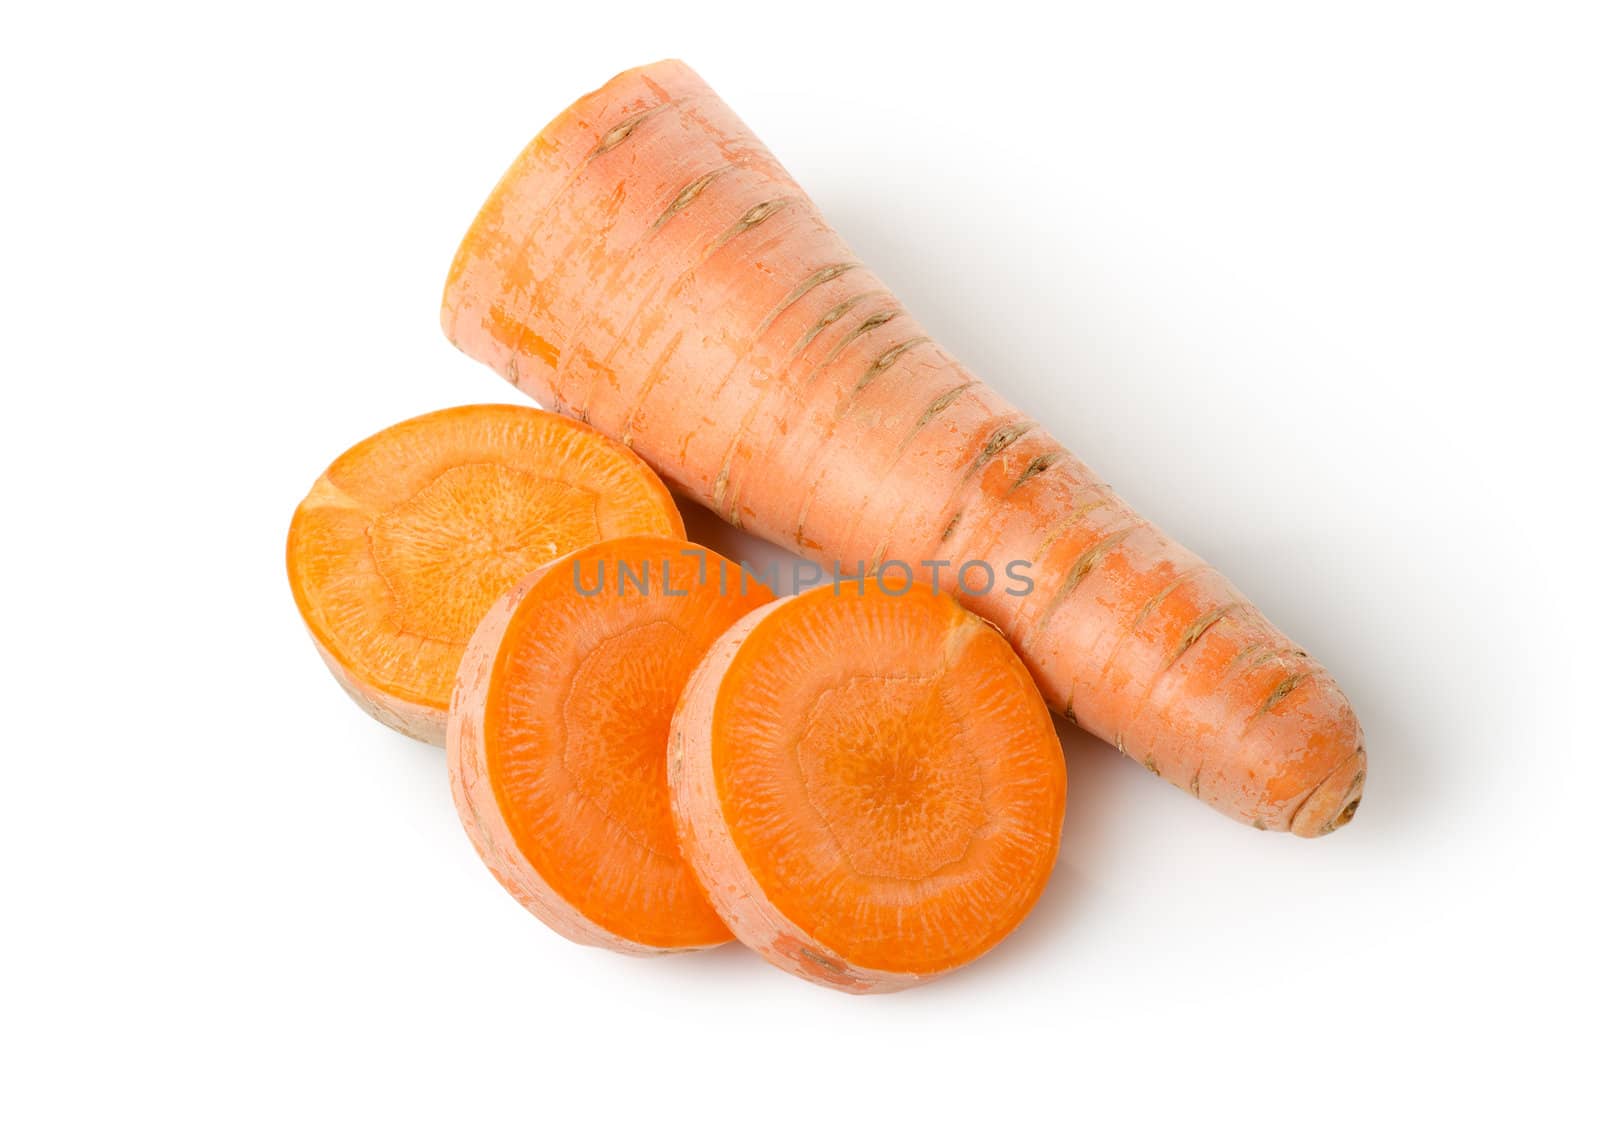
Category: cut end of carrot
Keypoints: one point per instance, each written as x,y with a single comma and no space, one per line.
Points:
558,737
868,784
483,270
402,545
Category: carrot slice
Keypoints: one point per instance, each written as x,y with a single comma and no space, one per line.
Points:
868,784
558,738
402,545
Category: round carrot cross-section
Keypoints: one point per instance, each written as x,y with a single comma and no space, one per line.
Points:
558,738
868,784
408,538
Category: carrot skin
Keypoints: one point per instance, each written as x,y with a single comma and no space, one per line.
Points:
406,717
648,267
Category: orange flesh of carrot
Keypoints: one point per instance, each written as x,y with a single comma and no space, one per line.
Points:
869,785
558,738
647,265
405,541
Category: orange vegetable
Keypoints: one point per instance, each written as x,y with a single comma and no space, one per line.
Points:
868,784
648,266
558,738
405,541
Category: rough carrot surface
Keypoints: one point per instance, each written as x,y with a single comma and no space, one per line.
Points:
558,738
402,545
868,784
649,267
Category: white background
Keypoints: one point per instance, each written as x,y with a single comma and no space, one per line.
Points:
1314,286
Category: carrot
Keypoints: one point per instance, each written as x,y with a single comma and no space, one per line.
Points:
558,738
648,266
868,784
409,536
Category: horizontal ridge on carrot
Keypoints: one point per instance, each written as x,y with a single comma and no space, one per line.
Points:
647,266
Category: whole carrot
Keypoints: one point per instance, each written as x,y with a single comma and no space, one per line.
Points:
647,266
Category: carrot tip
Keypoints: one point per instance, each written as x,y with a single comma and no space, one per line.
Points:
1334,802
